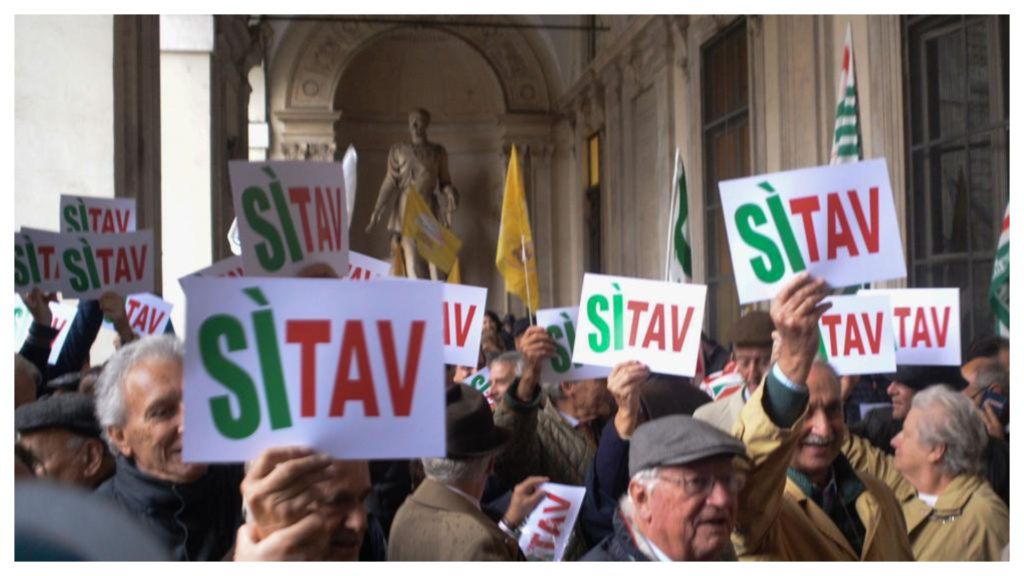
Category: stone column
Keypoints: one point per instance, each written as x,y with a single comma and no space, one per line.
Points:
137,123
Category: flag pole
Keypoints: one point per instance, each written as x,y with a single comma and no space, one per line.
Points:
671,213
526,271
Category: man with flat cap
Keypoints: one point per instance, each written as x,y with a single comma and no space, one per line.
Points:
442,520
752,354
681,503
62,436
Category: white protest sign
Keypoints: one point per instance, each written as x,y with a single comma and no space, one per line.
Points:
657,323
926,324
97,215
363,267
352,369
62,317
480,380
147,314
36,262
856,335
560,324
463,312
290,215
92,264
548,528
838,222
230,267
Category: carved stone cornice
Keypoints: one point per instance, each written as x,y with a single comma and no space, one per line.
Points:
316,151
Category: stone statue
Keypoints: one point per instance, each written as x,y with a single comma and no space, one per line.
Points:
422,164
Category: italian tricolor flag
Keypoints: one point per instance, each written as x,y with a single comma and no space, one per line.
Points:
999,292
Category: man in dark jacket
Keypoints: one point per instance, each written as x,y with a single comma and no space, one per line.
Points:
193,508
681,503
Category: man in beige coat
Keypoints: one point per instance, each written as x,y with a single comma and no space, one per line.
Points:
752,353
442,520
950,511
802,499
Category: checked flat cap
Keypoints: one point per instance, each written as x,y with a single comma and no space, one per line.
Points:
678,439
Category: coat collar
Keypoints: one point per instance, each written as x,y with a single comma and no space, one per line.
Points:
147,492
950,504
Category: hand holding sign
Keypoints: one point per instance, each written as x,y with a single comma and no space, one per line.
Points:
280,488
624,385
525,497
795,312
38,304
536,347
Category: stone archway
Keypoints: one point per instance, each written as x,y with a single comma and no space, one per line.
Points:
329,87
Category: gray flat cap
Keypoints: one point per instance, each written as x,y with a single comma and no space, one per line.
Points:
678,439
72,412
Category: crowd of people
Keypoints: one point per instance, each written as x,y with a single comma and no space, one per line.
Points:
783,469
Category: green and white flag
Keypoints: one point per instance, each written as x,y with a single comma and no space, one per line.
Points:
678,264
846,139
999,292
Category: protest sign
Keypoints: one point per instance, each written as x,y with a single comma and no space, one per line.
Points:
147,314
97,215
481,382
62,317
560,324
838,222
290,215
657,323
363,267
857,336
463,311
230,267
36,262
926,324
352,369
548,528
92,264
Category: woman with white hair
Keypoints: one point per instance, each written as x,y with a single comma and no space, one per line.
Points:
950,511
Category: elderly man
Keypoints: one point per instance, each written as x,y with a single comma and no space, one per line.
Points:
306,506
555,440
951,513
681,501
62,437
803,500
442,520
504,371
752,354
194,508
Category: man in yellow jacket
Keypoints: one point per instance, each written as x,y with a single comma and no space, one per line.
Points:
803,500
950,511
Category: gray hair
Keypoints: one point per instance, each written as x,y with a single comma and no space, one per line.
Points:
992,374
647,478
514,358
956,423
109,390
456,472
23,364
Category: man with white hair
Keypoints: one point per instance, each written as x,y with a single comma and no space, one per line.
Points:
950,511
681,503
194,508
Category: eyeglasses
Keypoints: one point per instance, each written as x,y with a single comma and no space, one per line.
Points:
701,484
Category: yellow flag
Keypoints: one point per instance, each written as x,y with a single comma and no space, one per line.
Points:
434,242
455,276
515,259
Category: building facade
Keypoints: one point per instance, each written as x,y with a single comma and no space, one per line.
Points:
597,106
